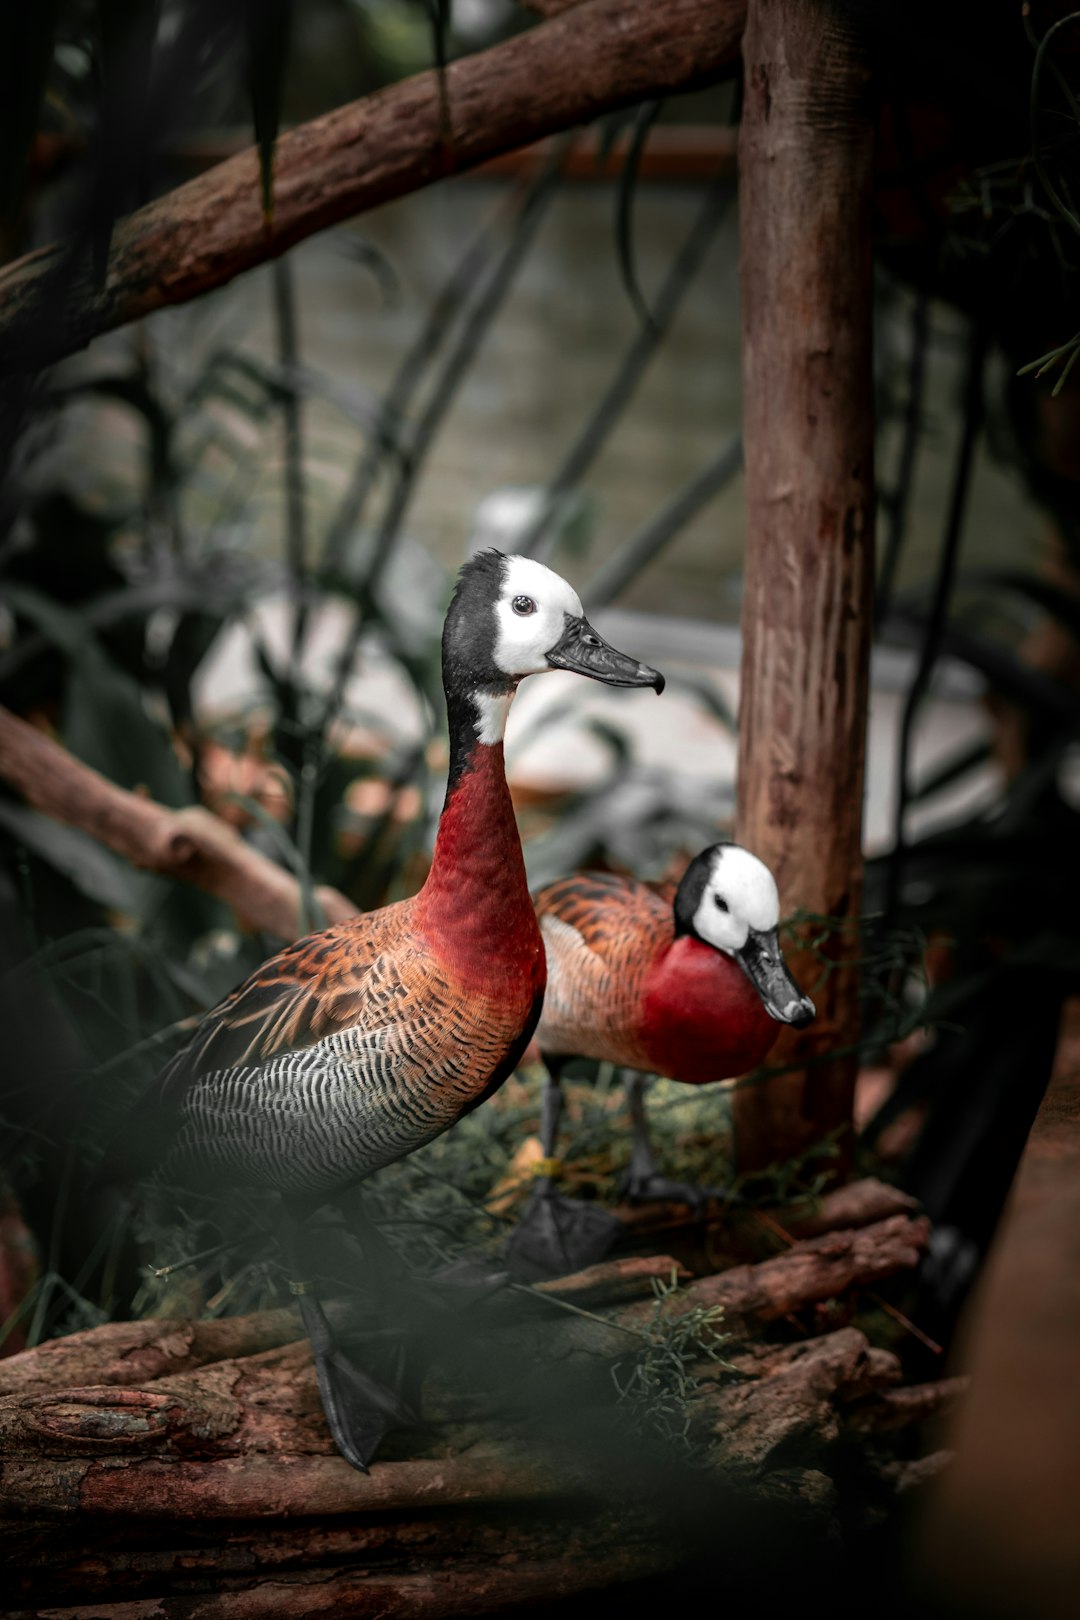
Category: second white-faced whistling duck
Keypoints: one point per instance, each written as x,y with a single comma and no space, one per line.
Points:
695,989
354,1046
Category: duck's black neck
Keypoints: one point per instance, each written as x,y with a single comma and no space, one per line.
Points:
476,891
475,720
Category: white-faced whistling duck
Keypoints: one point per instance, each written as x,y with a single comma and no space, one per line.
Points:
695,989
354,1046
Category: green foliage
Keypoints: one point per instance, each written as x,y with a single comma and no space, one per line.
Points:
658,1385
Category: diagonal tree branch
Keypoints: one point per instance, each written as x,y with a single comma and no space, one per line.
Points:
598,56
192,845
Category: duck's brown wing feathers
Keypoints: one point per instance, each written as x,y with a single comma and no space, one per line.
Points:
339,1055
601,934
294,999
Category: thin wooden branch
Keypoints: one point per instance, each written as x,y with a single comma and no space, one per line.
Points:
191,845
604,55
612,1281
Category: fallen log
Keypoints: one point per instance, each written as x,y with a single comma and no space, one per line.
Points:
795,1402
288,1486
897,1409
216,1480
873,1370
129,1353
858,1203
808,1273
428,1596
139,1352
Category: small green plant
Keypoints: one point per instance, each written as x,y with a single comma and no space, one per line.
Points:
658,1386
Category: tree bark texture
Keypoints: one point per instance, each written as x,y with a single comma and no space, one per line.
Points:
808,1273
210,1489
191,844
805,164
602,55
858,1203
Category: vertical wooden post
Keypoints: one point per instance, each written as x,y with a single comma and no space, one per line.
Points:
805,169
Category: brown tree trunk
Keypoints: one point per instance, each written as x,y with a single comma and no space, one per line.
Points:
805,164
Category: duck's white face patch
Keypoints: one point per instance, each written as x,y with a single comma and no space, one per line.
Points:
740,895
530,616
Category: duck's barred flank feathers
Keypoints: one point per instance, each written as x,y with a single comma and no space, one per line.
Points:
340,1055
602,934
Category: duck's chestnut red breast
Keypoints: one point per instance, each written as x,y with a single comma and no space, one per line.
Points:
474,911
702,1019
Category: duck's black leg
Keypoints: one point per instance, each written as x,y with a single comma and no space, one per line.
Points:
557,1234
644,1183
360,1409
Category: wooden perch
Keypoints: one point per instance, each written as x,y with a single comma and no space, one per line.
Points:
795,1400
139,1352
808,1273
602,55
191,844
858,1203
223,1498
899,1408
257,1486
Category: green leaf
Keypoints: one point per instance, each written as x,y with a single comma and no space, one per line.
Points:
105,721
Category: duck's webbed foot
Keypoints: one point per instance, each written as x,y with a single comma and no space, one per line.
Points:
643,1182
360,1409
557,1235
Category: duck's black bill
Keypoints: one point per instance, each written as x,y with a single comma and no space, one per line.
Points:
580,648
762,960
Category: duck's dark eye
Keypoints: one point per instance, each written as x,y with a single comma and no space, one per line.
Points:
523,605
720,903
